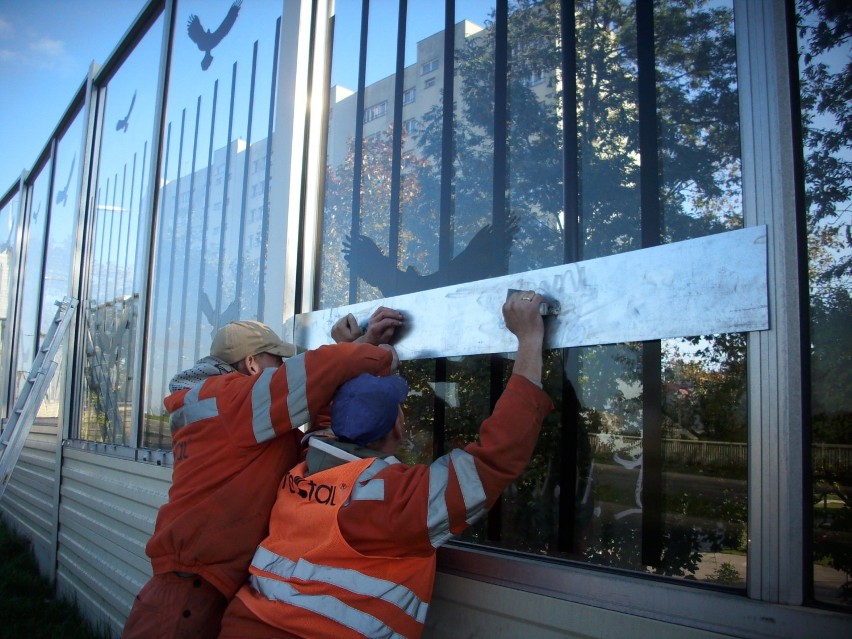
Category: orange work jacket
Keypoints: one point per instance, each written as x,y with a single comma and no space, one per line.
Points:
234,436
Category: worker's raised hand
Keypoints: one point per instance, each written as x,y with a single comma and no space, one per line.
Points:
346,329
382,326
521,312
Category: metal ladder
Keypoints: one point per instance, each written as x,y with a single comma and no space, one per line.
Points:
35,388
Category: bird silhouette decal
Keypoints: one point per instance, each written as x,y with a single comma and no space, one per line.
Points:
485,256
122,123
206,40
62,196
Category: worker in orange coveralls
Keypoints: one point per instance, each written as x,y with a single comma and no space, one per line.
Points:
235,419
353,532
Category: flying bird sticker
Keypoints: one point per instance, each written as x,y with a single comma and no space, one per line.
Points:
121,125
206,40
62,196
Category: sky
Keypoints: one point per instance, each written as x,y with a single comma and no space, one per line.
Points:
46,48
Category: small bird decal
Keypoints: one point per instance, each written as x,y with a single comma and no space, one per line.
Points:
62,196
206,40
122,123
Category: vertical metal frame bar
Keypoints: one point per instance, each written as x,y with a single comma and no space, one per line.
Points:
48,213
448,147
188,235
501,119
206,218
217,308
500,211
246,179
447,205
264,224
86,232
24,249
8,393
359,139
776,357
170,273
796,129
396,142
299,149
145,259
310,179
570,424
652,443
72,391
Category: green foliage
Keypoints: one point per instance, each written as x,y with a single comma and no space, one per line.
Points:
726,574
27,604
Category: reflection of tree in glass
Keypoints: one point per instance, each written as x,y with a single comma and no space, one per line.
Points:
824,30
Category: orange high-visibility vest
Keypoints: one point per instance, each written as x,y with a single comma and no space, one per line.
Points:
307,580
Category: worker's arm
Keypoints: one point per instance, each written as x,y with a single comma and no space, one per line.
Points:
275,401
424,506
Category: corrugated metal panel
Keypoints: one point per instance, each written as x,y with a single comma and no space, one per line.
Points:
28,501
107,514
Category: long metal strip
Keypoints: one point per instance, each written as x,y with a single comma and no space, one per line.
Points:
708,285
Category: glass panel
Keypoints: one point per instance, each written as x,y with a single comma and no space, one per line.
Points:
59,257
824,33
9,223
704,420
119,223
582,494
212,247
30,291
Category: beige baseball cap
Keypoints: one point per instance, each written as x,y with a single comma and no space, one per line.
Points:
237,340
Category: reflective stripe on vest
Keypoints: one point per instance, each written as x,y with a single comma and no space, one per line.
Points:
297,391
438,518
328,605
297,399
261,402
193,409
369,489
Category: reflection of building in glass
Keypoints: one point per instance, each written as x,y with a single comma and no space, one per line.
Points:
423,83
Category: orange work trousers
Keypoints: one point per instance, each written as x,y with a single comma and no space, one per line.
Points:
171,606
241,623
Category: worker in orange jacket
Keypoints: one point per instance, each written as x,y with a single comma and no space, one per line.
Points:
353,532
235,419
